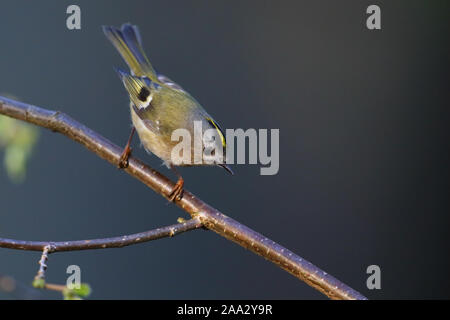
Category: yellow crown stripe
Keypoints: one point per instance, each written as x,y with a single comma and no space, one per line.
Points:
222,137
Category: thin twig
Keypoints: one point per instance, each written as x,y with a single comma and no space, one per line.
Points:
43,263
55,287
116,242
210,217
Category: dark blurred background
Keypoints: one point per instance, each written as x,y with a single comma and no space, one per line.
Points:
363,119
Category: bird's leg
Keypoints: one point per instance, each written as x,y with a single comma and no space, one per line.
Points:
177,191
123,162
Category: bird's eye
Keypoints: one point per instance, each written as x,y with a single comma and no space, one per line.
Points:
143,94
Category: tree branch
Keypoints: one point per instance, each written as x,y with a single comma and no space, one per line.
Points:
115,242
208,216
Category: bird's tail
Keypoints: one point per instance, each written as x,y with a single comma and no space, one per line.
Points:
127,41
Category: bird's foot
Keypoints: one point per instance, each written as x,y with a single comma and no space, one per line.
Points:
123,161
177,191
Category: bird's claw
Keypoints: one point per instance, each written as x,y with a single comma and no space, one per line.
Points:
177,191
123,161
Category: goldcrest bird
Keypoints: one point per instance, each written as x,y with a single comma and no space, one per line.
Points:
159,106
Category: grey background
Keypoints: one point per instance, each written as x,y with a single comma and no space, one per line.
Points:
363,119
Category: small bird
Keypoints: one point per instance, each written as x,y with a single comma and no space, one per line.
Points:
159,106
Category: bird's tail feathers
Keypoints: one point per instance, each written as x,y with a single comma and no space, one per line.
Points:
127,41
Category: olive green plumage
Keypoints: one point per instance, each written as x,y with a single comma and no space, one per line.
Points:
158,105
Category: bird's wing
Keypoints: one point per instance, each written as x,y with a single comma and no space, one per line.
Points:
165,80
141,91
143,114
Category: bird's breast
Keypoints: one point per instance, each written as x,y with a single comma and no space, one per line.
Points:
153,142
